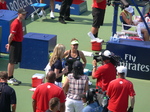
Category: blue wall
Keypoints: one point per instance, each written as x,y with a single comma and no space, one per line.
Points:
17,4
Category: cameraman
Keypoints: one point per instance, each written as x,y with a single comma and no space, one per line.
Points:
92,105
105,73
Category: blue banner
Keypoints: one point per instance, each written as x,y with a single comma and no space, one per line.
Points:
135,55
26,4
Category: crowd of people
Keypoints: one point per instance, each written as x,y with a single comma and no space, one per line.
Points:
69,96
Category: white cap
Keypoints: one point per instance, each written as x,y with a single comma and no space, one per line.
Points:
122,69
107,53
129,9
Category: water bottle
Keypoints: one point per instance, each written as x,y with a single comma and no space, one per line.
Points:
104,101
111,38
115,38
32,17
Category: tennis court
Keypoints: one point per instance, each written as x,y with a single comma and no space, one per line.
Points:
65,32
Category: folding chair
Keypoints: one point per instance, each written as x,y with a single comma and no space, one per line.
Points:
125,27
38,5
127,31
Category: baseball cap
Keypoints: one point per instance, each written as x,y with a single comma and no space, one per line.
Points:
22,11
129,9
77,64
106,53
75,42
122,69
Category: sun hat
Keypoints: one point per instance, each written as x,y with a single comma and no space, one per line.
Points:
129,9
75,42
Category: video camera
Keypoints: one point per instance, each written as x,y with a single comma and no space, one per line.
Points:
97,95
114,59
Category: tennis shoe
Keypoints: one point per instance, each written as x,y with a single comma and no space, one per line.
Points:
13,81
52,15
41,13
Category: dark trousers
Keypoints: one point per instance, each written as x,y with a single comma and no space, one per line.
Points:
65,8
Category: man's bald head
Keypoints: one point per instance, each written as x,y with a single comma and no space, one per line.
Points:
51,77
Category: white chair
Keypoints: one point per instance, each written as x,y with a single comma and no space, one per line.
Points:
130,29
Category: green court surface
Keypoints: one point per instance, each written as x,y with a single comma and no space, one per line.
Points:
65,32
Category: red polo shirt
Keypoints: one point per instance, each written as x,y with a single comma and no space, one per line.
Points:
104,74
101,5
17,30
44,93
119,91
3,5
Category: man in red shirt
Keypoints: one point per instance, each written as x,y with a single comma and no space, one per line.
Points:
14,45
119,91
105,73
98,13
3,4
45,92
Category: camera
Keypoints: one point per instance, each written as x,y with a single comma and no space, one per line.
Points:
97,57
115,60
98,96
106,54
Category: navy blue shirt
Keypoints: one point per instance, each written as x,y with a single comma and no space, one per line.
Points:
57,65
48,110
7,97
93,107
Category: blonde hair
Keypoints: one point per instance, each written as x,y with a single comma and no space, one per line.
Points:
58,53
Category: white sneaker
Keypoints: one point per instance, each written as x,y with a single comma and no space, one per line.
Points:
13,81
91,35
41,13
99,40
52,15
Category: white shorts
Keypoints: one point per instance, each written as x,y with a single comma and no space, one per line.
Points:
73,105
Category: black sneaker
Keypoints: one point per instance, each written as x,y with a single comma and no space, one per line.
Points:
61,20
69,19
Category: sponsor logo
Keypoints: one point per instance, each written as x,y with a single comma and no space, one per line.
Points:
132,64
17,4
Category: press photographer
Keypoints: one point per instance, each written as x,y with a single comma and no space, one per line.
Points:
91,98
106,72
